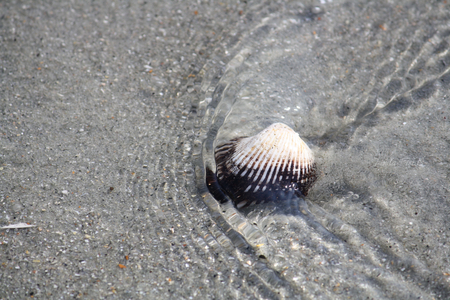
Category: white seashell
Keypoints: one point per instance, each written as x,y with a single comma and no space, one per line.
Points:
265,167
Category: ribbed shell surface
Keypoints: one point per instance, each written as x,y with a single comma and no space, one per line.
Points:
254,169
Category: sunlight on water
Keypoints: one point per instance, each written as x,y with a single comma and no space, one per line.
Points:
366,86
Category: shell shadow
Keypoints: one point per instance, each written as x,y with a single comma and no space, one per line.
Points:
286,203
290,204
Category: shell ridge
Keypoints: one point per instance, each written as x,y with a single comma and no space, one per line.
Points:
254,160
296,164
276,158
225,146
222,155
285,164
240,154
280,163
243,156
293,162
265,164
304,165
263,159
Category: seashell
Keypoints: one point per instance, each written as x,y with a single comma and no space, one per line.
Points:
264,167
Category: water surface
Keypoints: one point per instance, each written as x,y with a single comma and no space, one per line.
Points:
366,85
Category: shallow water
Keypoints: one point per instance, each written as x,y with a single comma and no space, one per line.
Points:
366,85
110,111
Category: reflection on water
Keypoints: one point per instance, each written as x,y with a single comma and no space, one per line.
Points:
366,85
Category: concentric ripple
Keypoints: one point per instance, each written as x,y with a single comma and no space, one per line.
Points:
367,84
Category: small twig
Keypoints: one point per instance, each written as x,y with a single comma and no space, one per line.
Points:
18,226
